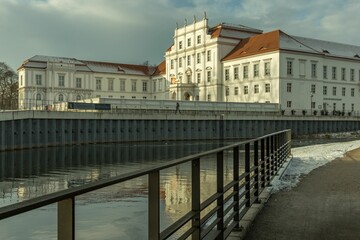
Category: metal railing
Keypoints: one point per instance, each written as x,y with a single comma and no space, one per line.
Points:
213,218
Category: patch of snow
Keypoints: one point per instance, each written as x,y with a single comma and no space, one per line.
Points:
305,159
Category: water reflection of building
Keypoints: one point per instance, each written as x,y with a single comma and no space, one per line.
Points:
30,173
177,185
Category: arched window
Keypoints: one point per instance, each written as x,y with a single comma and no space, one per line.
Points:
78,98
61,98
38,96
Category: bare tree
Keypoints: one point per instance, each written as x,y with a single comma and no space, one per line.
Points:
8,87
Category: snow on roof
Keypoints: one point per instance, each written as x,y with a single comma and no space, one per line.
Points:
41,58
278,40
330,48
232,31
288,42
39,61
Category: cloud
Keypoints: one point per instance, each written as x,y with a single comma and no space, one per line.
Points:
136,31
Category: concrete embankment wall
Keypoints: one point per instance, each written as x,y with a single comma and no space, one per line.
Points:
28,129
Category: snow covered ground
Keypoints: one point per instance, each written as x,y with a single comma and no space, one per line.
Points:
305,159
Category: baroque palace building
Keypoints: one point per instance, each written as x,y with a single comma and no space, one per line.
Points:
224,63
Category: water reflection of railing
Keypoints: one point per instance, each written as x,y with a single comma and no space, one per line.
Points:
214,217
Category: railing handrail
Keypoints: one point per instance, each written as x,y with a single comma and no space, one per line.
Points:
71,193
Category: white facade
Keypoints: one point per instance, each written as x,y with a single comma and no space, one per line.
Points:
47,80
193,63
225,63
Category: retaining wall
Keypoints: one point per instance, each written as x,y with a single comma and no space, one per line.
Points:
28,129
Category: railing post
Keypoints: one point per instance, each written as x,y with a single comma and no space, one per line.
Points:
236,185
247,176
262,157
220,190
268,161
154,205
256,172
66,219
195,198
276,153
272,156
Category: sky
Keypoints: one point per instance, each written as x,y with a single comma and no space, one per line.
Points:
141,30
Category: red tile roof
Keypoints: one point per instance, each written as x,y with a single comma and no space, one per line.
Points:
160,69
265,42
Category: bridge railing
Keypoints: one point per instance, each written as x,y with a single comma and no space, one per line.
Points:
211,218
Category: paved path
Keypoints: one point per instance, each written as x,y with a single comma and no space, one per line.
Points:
325,205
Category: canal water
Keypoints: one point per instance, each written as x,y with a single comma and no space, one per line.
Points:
115,212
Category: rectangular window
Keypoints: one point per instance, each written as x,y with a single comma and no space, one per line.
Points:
334,91
160,84
313,70
343,107
343,92
209,97
256,88
353,92
267,87
208,73
198,77
246,89
236,91
144,85
288,87
245,71
189,42
180,62
38,79
289,68
267,69
208,55
334,106
133,85
188,60
154,86
111,84
236,72
256,70
227,91
324,72
198,58
288,104
333,73
180,45
352,107
198,39
343,74
61,80
313,88
324,90
122,85
172,64
352,74
78,82
227,74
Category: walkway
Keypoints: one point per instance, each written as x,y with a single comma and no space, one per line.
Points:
325,205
